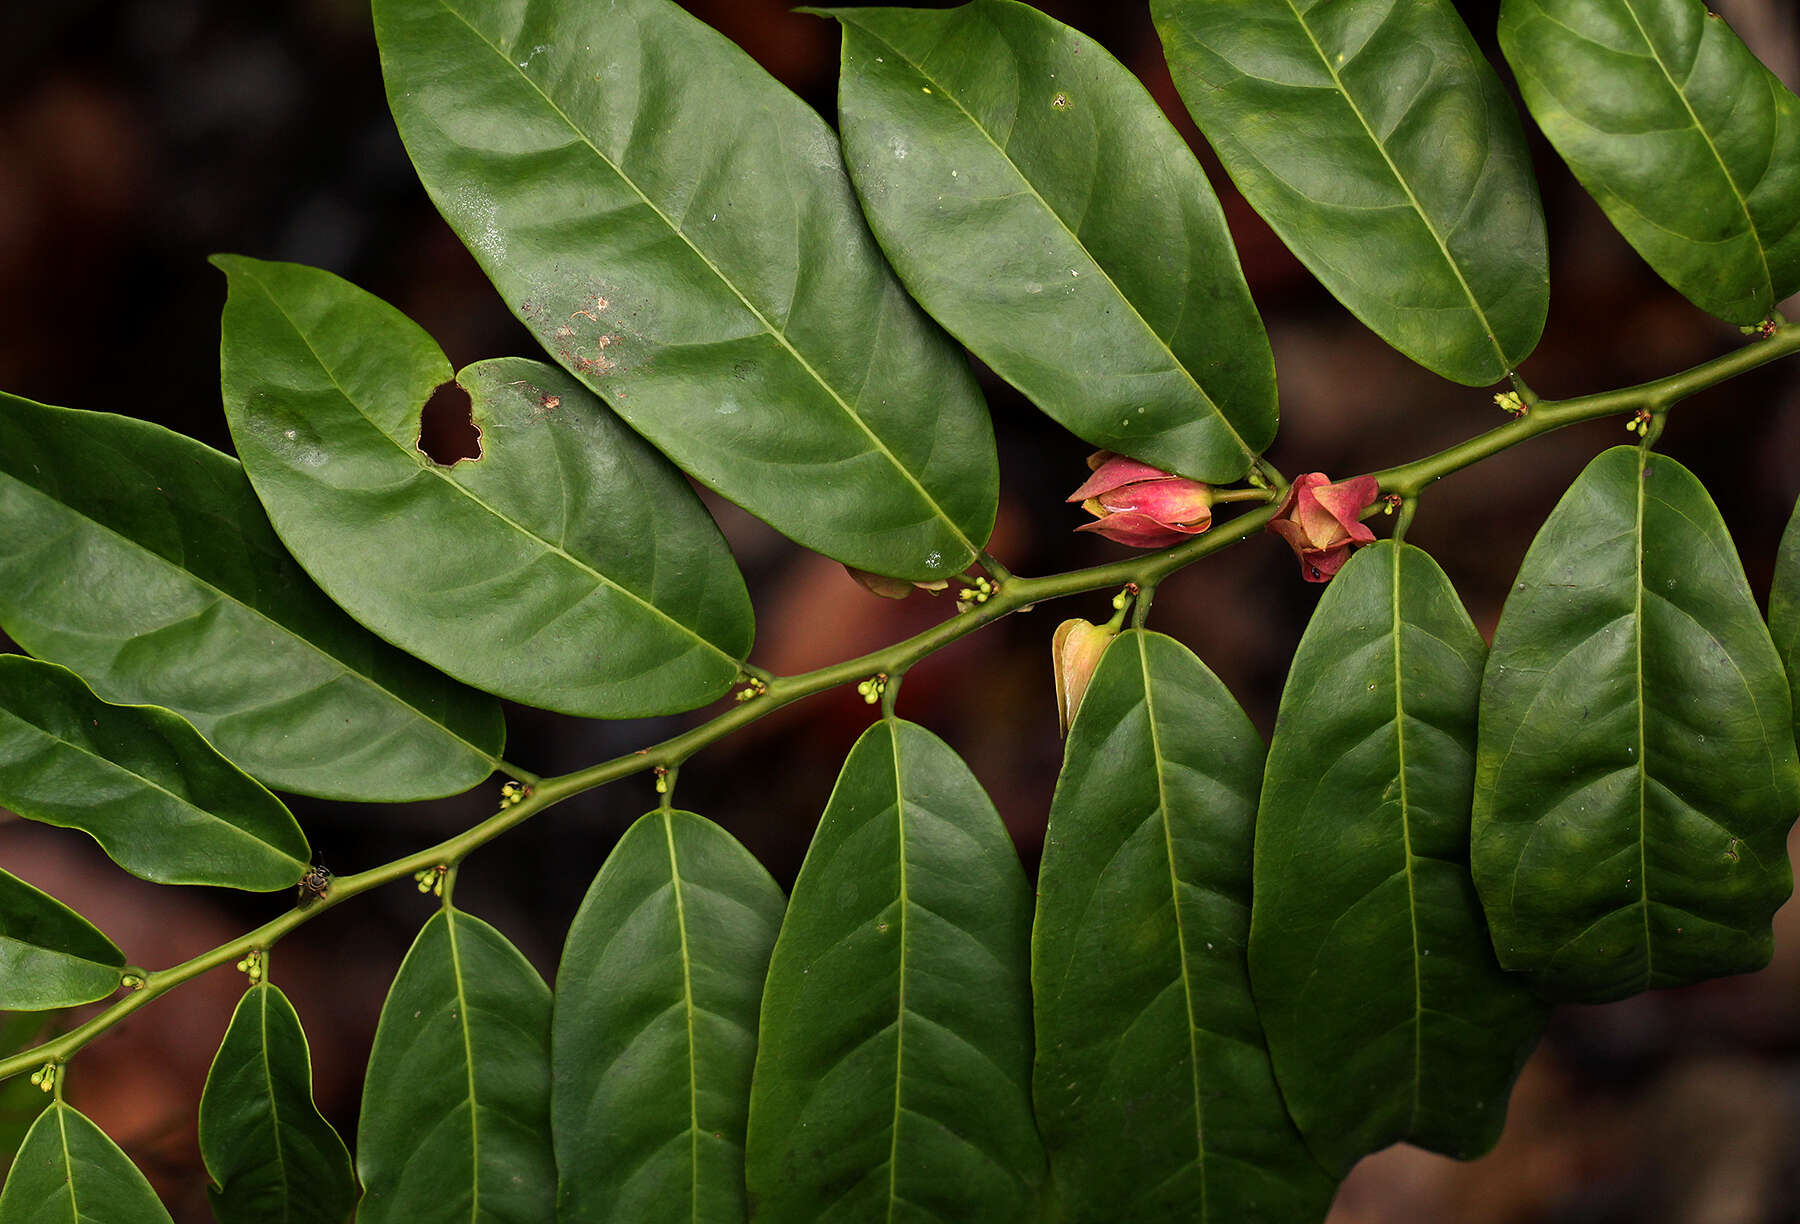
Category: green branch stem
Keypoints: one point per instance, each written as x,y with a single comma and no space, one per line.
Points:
1012,594
1543,416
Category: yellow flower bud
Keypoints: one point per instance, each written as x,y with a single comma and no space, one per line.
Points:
1074,654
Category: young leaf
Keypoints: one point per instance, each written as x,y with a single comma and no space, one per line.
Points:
140,781
1784,608
271,1154
1034,198
1636,774
893,1070
50,956
1387,1015
142,560
456,1109
1691,146
678,230
67,1169
1153,1086
569,567
1381,147
653,1032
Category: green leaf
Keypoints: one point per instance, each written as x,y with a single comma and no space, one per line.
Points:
142,560
139,780
679,231
1691,146
1387,1015
893,1074
50,956
1378,143
68,1170
273,1157
1036,201
1636,773
1784,608
21,1101
456,1109
569,567
653,1035
1153,1086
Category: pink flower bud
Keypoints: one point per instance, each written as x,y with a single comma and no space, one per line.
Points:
1145,507
1321,522
1074,654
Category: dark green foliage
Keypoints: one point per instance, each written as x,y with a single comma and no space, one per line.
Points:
140,781
273,1158
1246,969
1030,194
1636,776
142,560
1687,141
654,1031
456,1108
1388,1017
1153,1085
1383,149
893,1070
677,231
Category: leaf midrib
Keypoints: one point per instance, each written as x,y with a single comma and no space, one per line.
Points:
1643,766
1487,327
1187,986
778,334
1031,187
687,999
1412,901
465,1023
893,1196
62,1130
444,476
268,1069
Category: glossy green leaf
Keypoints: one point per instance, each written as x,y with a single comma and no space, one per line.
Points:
1636,774
1691,146
1784,608
1034,198
679,231
893,1074
1153,1086
569,567
140,781
1387,1015
455,1119
68,1172
273,1157
50,956
653,1035
142,560
1379,144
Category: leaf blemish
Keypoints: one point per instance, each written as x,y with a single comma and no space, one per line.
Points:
448,433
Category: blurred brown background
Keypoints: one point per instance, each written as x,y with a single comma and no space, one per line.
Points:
136,138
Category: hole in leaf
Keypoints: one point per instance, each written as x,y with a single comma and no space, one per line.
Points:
448,433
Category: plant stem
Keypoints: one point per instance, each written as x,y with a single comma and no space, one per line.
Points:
1014,593
1222,496
1547,415
1407,507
